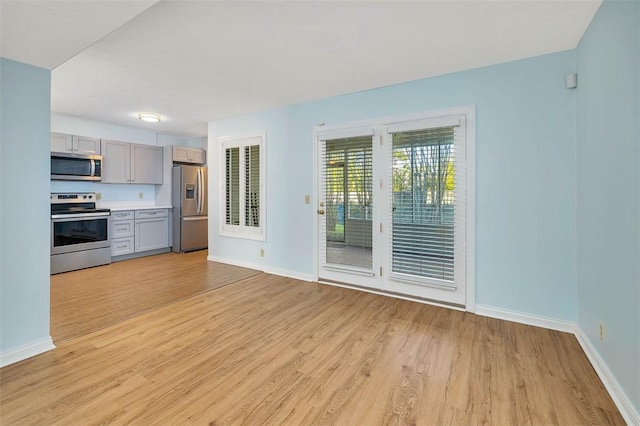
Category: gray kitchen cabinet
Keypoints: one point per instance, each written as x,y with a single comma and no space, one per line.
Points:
62,142
138,233
151,230
122,233
124,162
122,246
183,154
146,164
116,162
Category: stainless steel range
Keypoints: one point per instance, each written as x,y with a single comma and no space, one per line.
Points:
79,232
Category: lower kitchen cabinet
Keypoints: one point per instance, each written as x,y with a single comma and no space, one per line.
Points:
152,229
122,232
122,246
142,232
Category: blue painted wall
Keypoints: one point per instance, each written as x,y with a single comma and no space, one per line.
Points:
525,182
24,204
608,180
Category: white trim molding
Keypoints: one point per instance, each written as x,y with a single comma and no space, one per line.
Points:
289,274
380,129
242,230
26,351
620,399
628,412
525,318
394,295
263,268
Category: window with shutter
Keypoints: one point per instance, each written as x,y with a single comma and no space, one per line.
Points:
243,176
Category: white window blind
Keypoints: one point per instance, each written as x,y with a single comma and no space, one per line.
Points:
347,183
428,205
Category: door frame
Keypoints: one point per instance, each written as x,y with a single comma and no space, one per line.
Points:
374,123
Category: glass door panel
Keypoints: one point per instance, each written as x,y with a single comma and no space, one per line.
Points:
423,205
348,199
346,208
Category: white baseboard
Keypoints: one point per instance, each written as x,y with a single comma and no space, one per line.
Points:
235,262
289,274
525,318
394,295
26,351
628,412
267,269
616,392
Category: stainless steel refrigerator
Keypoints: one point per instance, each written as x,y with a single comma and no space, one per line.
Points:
189,198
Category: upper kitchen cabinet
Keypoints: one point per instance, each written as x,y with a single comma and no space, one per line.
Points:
183,154
116,162
124,162
146,164
61,142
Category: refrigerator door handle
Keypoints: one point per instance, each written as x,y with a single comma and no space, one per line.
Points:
191,218
198,191
201,189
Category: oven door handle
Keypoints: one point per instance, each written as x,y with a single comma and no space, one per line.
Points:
79,215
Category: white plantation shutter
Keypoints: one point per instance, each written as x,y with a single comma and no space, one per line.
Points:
252,185
232,186
428,203
242,168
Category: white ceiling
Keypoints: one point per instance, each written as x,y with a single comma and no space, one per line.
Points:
47,33
196,61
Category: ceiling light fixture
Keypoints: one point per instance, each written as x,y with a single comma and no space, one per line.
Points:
149,118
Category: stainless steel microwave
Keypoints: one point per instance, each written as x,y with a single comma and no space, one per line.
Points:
76,166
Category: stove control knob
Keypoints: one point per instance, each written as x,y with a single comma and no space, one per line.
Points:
84,196
90,196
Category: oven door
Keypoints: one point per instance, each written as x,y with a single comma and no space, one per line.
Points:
88,231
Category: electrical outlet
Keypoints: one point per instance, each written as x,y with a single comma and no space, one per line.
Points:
98,196
141,195
602,334
307,199
261,252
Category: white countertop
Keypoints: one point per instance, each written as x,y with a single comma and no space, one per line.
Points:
125,205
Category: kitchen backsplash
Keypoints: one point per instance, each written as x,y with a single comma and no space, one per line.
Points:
109,192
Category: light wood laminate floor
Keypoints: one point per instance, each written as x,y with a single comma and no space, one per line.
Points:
90,299
272,350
